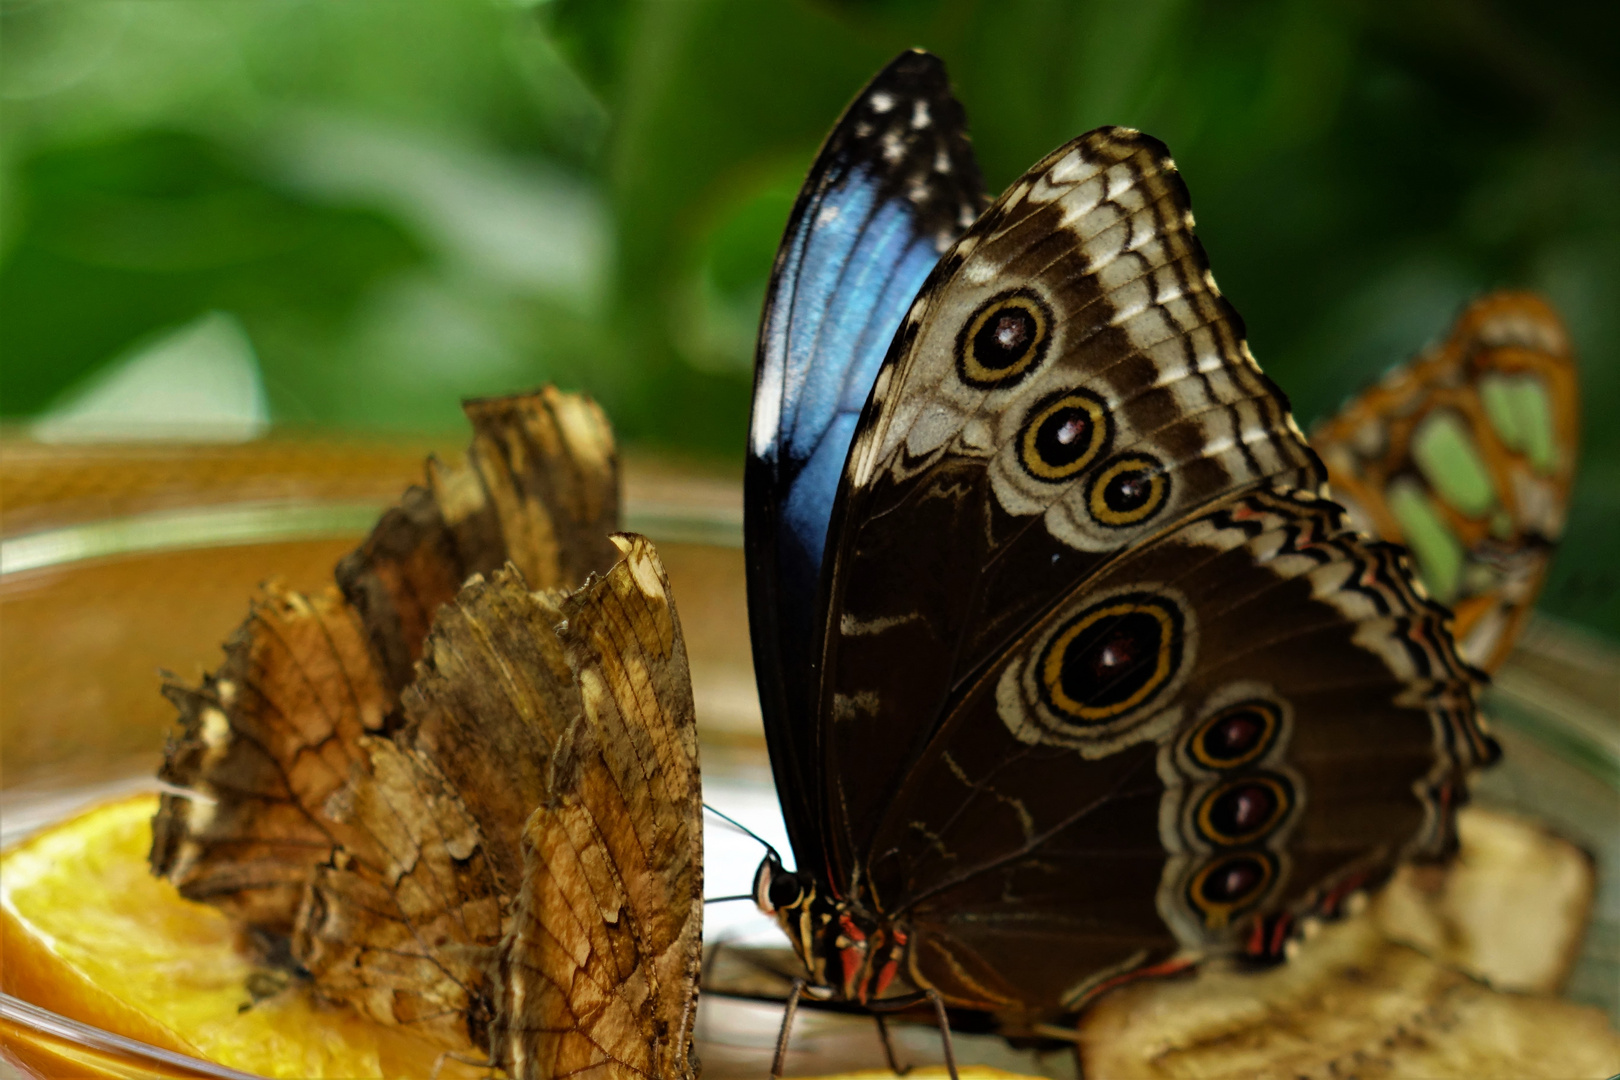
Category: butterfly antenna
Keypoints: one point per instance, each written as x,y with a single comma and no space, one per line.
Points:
727,899
745,830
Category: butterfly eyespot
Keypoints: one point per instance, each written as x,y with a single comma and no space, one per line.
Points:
1230,884
1113,657
1004,341
1244,809
1128,490
1064,434
1236,735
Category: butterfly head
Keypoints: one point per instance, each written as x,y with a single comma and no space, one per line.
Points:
844,949
791,898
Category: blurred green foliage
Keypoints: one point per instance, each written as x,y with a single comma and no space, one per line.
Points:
408,201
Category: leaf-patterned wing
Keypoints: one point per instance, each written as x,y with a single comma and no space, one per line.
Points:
1069,383
539,490
1467,456
261,745
599,972
401,923
404,919
266,740
894,185
1231,726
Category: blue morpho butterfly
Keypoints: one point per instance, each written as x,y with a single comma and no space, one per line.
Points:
1070,674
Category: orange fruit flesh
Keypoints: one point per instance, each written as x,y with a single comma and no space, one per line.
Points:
87,932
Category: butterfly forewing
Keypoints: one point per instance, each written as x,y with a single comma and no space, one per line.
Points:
892,188
598,974
540,490
402,924
265,740
1467,456
1068,384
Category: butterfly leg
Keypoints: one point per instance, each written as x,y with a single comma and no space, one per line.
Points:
944,1032
788,1013
888,1046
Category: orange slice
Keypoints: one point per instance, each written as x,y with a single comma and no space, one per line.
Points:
87,932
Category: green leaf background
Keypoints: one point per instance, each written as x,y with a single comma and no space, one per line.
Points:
404,202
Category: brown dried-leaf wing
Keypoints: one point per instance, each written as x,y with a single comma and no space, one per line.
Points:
403,921
548,464
493,695
272,735
400,924
599,972
263,743
540,490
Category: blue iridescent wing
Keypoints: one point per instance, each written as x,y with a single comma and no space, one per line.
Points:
894,185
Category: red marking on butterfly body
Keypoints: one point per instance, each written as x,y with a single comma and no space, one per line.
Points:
851,957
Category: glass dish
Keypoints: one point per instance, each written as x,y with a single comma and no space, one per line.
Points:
128,560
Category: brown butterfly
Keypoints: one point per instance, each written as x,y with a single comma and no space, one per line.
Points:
1466,455
263,742
428,819
527,870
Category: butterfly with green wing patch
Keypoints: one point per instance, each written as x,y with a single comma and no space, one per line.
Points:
1466,456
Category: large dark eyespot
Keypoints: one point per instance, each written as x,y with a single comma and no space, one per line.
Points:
1064,434
1236,735
1004,340
1128,490
1230,884
1244,809
1113,657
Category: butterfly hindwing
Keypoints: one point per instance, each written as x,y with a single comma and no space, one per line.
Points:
1250,713
1467,456
1069,383
892,188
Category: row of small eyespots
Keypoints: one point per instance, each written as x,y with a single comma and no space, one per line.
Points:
1067,432
1239,811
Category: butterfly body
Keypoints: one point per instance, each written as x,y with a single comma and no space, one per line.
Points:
1097,683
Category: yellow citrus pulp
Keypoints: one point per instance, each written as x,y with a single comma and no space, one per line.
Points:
86,931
